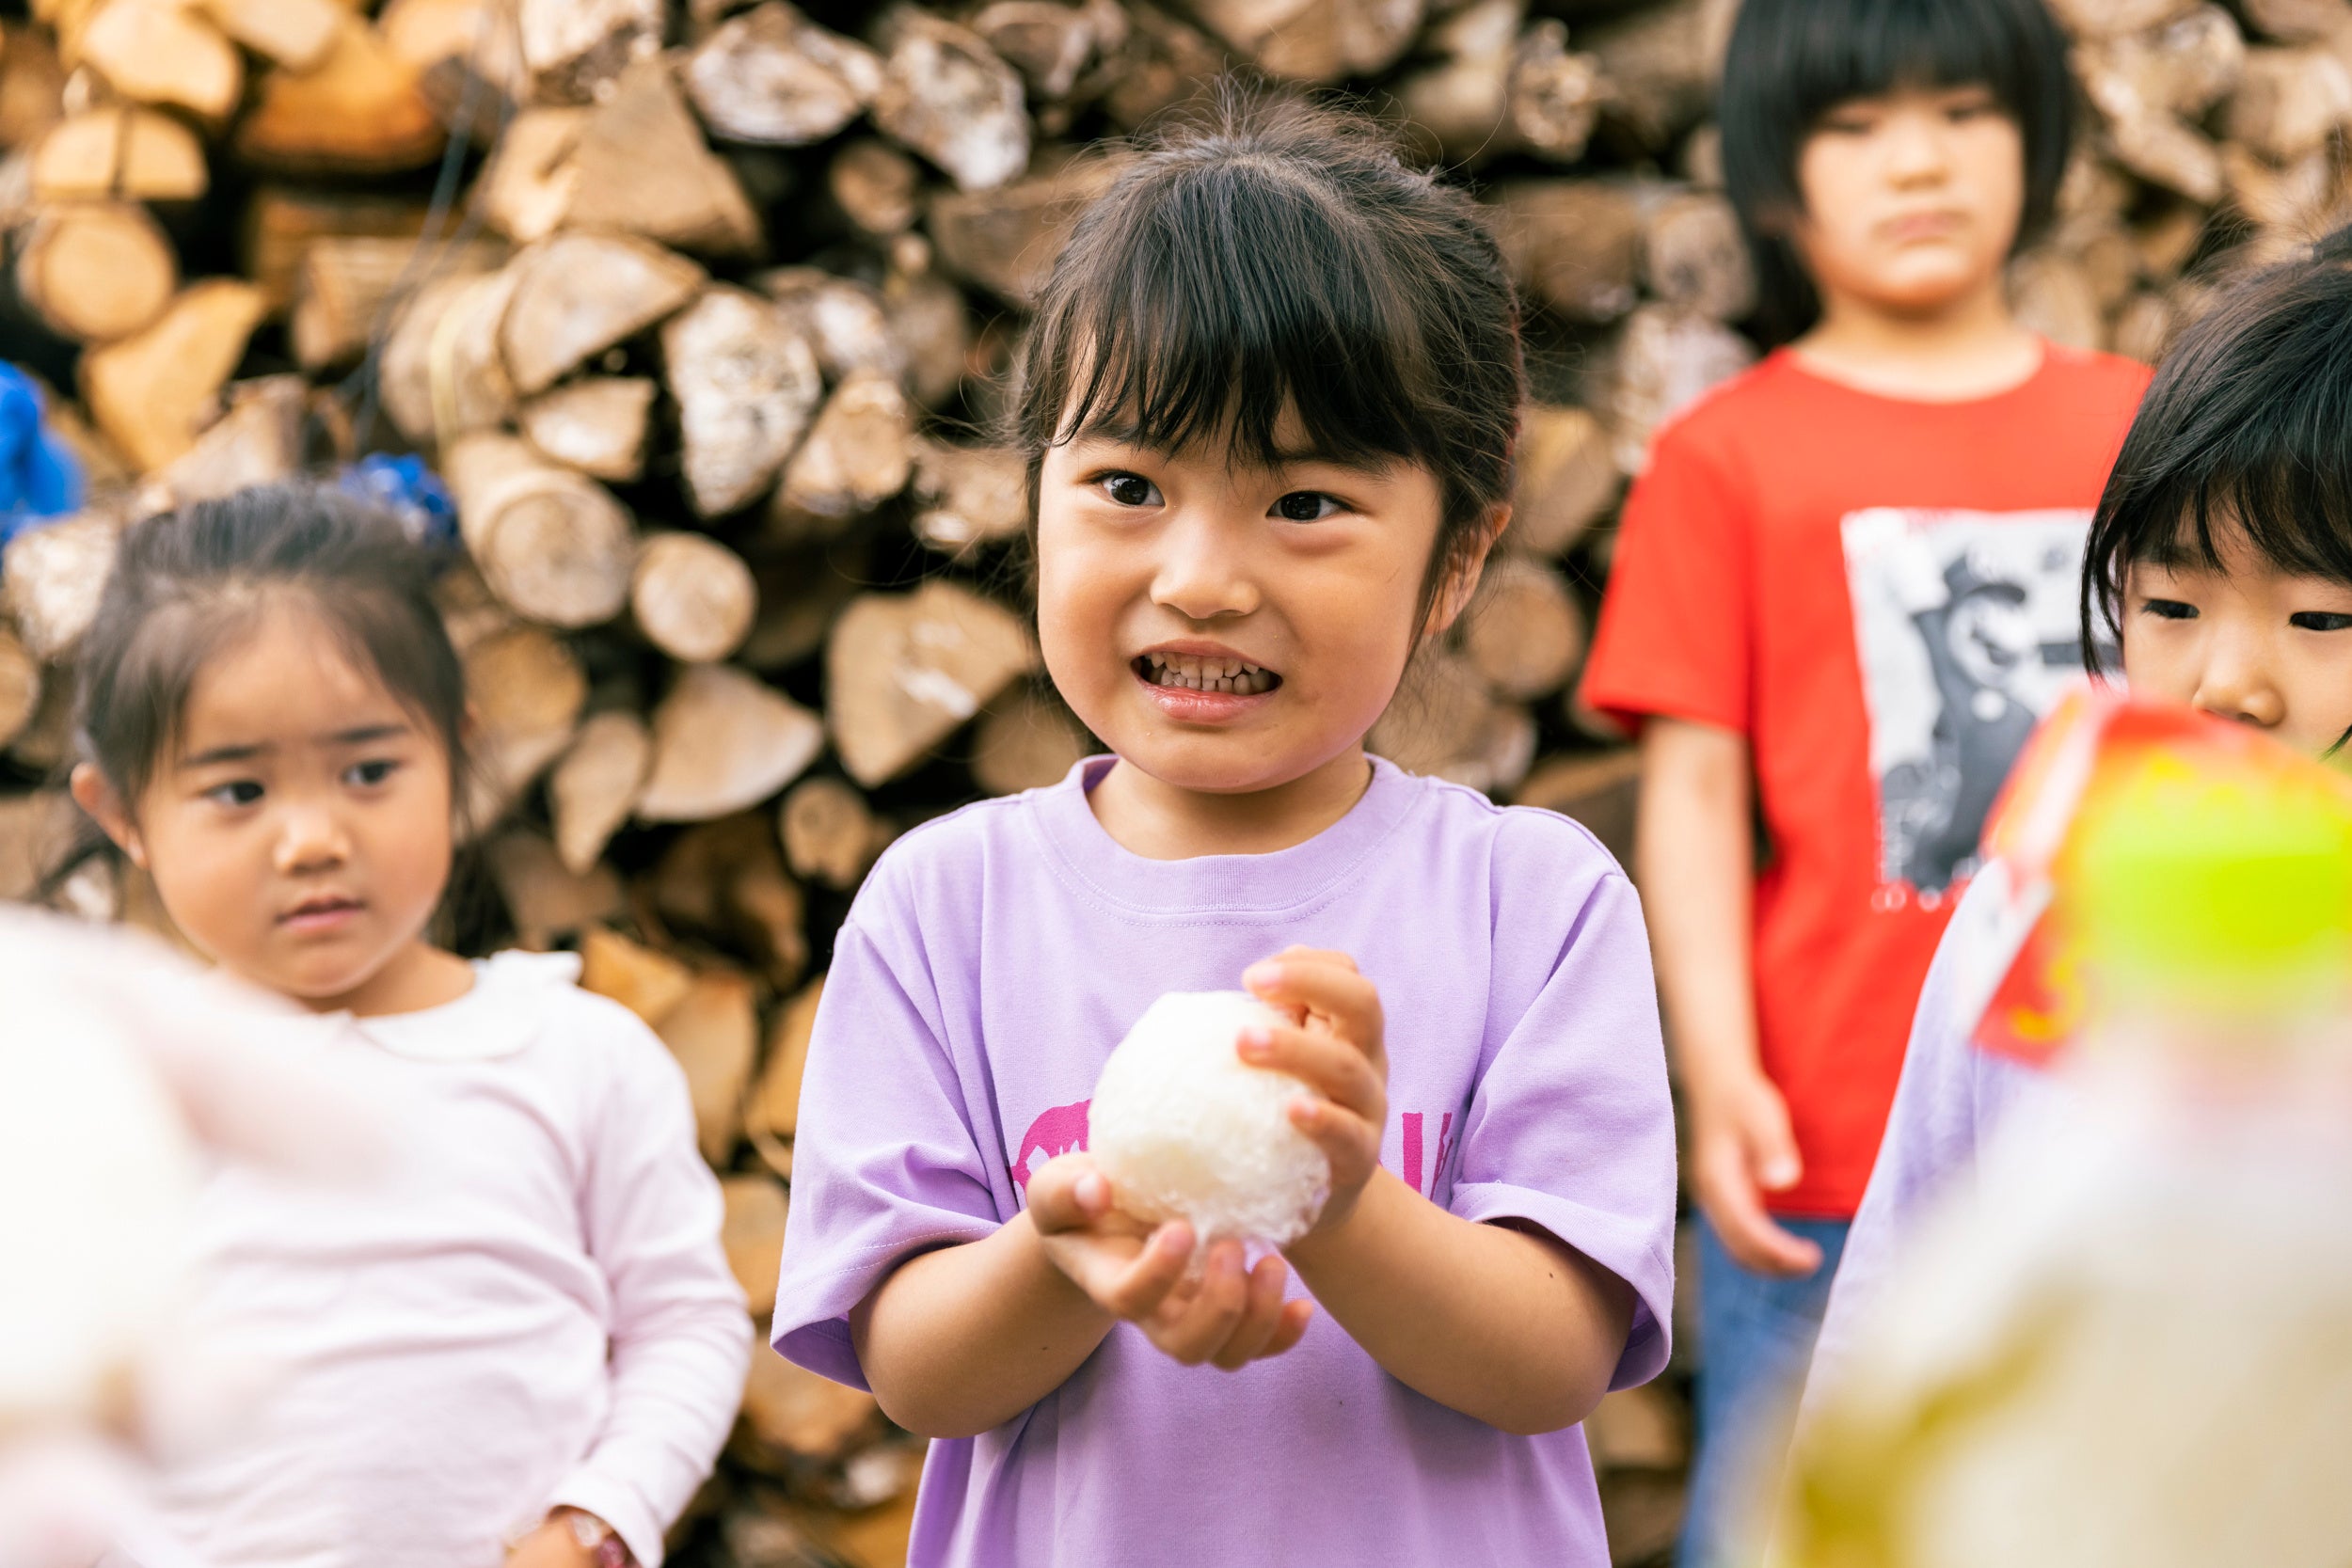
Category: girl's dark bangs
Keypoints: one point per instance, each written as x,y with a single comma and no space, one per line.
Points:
1863,48
1230,309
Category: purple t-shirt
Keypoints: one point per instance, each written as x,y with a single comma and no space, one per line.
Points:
992,961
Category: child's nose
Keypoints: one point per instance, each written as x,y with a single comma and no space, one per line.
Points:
1203,571
310,838
1915,148
2237,683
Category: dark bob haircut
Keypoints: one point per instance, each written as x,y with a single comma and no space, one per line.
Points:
1280,257
186,585
2247,430
1791,61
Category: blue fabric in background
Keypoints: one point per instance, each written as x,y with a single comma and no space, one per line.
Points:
40,477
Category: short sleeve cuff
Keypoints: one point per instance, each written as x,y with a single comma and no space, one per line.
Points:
591,1491
811,1328
1621,1245
1630,704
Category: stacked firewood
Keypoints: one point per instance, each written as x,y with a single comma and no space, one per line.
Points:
699,307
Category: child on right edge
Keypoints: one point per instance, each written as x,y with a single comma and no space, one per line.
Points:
2222,559
1842,598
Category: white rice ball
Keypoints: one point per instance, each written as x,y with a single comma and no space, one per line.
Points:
1184,1129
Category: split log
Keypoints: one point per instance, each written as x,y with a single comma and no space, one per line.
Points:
150,391
932,326
875,186
35,830
2050,293
2167,241
526,189
1573,245
526,690
119,150
1461,103
946,94
771,1113
1445,722
1567,478
2289,206
844,320
594,790
713,1031
726,880
831,836
547,900
32,86
723,741
1553,96
2103,248
345,287
45,745
285,223
1051,45
641,167
746,384
2144,328
793,1417
2299,20
1694,257
596,425
296,34
1638,1429
1163,63
20,686
257,440
363,110
753,1236
164,52
577,295
96,271
2150,85
648,982
1599,790
773,78
574,48
1006,240
1661,64
904,672
1026,742
1526,635
553,547
693,597
1317,42
2289,102
51,578
2096,18
441,374
858,455
1666,360
968,496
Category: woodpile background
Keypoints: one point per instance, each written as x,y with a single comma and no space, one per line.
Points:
698,305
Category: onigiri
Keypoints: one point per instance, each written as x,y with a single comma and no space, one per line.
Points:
1184,1129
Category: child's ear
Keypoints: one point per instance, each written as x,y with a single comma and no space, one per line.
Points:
94,795
1469,559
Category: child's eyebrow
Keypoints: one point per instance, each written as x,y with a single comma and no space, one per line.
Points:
359,736
1127,433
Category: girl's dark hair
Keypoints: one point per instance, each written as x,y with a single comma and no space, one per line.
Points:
1791,61
186,584
2247,428
1280,257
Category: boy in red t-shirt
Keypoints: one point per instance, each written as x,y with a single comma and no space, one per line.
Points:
1844,592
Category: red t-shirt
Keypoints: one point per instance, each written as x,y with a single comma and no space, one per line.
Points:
1882,596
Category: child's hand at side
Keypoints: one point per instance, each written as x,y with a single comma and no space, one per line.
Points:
1335,1050
1224,1316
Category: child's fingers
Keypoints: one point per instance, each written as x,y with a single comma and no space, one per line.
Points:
1067,1192
1326,984
1297,1315
1137,1289
1194,1330
1325,1063
1261,1315
1348,1140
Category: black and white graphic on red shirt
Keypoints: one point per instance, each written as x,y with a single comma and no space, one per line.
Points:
1968,627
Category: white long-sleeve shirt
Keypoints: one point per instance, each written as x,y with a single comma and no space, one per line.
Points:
531,1309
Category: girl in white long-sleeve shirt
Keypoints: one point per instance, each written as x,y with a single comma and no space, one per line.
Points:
522,1345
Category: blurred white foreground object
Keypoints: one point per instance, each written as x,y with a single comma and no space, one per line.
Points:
1184,1129
124,1074
2127,1343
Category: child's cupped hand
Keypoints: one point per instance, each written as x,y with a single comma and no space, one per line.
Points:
1336,1048
1221,1315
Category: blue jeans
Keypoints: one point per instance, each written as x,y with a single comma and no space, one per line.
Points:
1755,1340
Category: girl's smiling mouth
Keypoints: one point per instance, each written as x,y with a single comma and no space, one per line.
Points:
1202,683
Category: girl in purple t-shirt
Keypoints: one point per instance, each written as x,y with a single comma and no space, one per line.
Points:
1269,401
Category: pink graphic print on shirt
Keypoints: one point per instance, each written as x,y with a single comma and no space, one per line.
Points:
1061,1129
1412,1120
